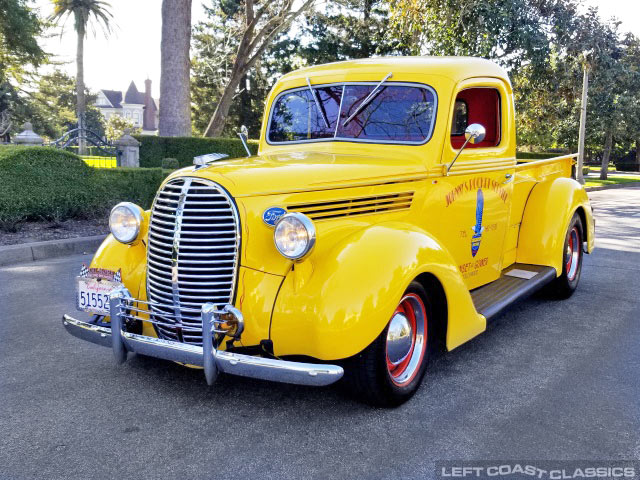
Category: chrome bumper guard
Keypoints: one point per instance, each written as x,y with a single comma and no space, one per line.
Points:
208,356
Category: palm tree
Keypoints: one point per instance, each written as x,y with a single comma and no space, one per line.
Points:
84,12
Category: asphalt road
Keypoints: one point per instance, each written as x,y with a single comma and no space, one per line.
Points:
550,381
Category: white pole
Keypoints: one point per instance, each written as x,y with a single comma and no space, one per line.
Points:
583,121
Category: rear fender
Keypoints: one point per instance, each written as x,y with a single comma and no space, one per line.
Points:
334,308
547,213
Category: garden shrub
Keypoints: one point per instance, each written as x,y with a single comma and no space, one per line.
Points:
40,183
154,149
137,185
170,163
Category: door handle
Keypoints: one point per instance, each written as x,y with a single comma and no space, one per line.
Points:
508,177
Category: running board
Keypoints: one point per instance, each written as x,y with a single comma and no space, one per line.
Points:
516,282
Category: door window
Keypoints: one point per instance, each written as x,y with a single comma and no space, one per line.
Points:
477,105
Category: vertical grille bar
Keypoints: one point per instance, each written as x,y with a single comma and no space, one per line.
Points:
193,252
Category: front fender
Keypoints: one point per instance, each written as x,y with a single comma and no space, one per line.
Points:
335,307
547,213
130,259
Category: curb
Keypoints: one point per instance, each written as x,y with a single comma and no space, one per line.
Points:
29,252
615,185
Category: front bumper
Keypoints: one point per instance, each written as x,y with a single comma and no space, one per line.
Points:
208,357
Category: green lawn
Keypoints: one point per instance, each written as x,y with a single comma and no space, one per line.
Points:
611,180
612,168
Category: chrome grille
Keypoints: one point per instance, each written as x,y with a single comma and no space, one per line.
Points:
194,240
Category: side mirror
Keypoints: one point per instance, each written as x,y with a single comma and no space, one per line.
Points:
244,136
474,133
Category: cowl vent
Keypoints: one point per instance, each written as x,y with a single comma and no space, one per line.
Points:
354,206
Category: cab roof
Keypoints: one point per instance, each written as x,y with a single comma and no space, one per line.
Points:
454,68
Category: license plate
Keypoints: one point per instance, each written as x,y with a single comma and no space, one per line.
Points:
93,294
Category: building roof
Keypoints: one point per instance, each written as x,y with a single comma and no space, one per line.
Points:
114,97
133,95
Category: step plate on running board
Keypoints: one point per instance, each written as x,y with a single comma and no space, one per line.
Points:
517,282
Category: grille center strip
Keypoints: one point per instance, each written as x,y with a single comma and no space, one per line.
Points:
175,251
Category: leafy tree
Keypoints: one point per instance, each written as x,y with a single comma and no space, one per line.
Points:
508,31
20,28
348,29
51,108
86,13
257,25
20,53
116,126
541,44
175,99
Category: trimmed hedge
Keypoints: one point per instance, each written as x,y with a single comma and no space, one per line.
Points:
154,149
41,183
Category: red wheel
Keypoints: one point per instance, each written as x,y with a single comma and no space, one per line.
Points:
567,282
406,341
572,254
389,371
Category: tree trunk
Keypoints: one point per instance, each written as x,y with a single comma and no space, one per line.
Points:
252,45
638,155
80,100
175,93
606,155
219,117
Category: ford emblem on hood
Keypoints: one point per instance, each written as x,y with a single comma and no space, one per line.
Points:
271,215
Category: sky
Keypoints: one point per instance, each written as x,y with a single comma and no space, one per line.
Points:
132,51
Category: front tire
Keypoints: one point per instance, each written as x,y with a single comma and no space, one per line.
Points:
389,371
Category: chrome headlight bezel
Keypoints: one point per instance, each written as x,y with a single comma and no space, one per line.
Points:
304,223
137,215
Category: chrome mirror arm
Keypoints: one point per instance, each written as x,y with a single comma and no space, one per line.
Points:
458,154
474,133
244,135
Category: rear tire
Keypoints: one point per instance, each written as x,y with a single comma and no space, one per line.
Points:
564,286
389,371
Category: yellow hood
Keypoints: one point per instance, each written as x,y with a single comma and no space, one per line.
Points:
304,171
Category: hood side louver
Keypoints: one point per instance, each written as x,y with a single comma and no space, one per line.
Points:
354,206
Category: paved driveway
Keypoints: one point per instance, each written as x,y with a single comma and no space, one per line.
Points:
550,381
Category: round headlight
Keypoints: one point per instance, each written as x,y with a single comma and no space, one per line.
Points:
294,235
125,222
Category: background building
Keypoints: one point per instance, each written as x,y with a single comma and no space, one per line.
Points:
140,108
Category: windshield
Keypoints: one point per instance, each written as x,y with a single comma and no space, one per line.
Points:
398,113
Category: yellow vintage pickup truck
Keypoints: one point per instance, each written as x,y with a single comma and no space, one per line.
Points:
385,215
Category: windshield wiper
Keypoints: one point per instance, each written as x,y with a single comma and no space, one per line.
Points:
314,94
367,100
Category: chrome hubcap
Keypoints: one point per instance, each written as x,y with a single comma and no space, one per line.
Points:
406,340
399,339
